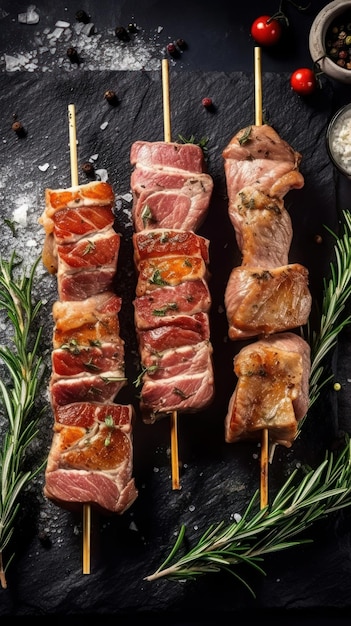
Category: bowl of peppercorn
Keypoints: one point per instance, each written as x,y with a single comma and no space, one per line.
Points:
330,40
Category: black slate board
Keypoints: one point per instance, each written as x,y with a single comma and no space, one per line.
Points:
217,479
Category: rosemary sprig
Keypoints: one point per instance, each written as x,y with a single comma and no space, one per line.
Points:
202,142
17,396
297,505
336,293
271,529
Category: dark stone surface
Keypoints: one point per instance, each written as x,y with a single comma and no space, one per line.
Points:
217,479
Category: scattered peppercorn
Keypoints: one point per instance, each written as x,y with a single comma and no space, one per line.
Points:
82,16
88,169
172,50
208,104
111,97
121,33
18,128
132,28
318,239
182,45
73,55
338,41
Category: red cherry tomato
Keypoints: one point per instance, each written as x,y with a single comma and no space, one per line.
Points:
266,30
303,81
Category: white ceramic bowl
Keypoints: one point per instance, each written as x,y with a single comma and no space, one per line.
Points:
317,39
339,140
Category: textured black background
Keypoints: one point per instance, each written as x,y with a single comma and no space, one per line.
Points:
217,479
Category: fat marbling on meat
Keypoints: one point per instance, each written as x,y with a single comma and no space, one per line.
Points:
170,188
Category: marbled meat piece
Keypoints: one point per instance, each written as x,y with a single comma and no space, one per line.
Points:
168,272
102,387
96,194
260,301
156,243
160,203
170,186
73,213
257,156
88,322
87,414
187,360
184,156
183,393
74,359
85,284
99,250
163,305
91,457
72,224
187,330
263,228
87,267
272,390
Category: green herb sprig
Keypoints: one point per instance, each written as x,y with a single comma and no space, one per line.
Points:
24,370
336,293
201,142
270,529
297,505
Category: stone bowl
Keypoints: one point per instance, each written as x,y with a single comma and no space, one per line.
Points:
337,12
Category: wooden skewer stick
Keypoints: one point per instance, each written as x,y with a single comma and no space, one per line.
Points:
168,137
74,182
166,101
258,87
264,439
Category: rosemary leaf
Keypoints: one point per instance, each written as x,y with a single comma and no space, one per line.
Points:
24,371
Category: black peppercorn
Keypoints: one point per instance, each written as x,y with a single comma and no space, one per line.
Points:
73,55
82,16
121,33
182,45
111,97
132,28
18,128
88,169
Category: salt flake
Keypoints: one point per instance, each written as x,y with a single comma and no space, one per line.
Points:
102,175
104,125
20,215
30,17
44,167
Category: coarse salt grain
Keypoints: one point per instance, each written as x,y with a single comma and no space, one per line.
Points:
44,167
340,142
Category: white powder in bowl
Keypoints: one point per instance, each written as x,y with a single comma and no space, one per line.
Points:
340,141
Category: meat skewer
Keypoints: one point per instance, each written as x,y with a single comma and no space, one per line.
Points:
90,459
265,296
171,193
